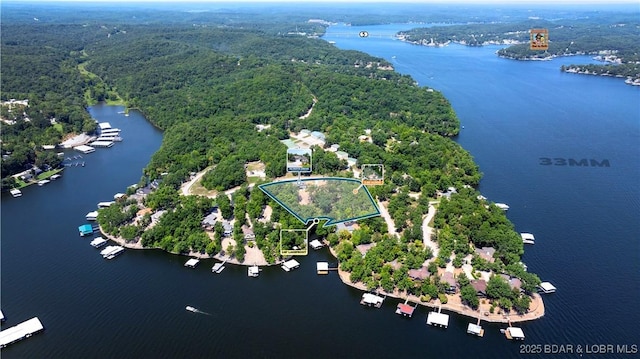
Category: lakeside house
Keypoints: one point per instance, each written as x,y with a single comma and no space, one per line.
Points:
486,253
209,221
480,285
364,248
248,233
419,274
449,279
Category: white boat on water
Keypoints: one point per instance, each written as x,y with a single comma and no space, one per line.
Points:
43,182
16,192
55,176
111,252
191,309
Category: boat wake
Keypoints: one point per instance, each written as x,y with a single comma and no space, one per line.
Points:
195,310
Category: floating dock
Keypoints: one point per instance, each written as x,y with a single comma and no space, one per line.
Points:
16,192
322,267
316,244
20,331
85,230
502,206
218,267
192,263
92,216
546,287
528,238
514,333
290,265
438,319
84,149
372,300
253,271
111,252
475,329
104,126
102,143
98,242
105,204
405,309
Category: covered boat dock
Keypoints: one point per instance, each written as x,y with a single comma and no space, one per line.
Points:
20,331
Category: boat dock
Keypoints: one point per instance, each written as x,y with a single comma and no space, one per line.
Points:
546,287
322,267
405,309
528,238
111,252
514,333
84,149
253,271
475,329
55,176
92,216
105,204
98,242
290,265
192,263
438,319
43,182
372,300
502,206
85,230
316,244
20,331
218,267
16,192
102,143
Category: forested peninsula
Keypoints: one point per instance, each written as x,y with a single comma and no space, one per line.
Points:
613,40
229,97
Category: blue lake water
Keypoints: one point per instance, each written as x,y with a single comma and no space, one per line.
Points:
585,219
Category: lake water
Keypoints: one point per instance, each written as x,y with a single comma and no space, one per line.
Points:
585,219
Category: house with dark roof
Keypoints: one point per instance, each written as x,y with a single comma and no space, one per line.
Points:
448,278
480,285
420,274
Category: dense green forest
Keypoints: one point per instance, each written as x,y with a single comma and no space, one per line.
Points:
618,37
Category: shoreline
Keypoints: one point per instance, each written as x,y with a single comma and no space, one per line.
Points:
454,304
232,260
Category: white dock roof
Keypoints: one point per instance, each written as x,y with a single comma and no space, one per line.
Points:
527,236
20,331
322,266
371,298
315,244
474,329
84,149
516,332
104,125
547,287
192,262
292,263
435,318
